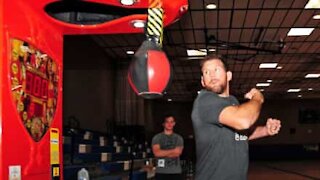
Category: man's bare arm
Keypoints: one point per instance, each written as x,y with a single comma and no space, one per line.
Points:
243,116
176,152
271,128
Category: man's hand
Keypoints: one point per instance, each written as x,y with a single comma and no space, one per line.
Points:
176,152
254,94
273,126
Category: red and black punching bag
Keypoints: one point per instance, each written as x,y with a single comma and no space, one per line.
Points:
150,71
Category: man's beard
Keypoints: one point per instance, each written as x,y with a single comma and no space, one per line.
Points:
219,88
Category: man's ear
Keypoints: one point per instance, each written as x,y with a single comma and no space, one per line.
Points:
202,82
229,75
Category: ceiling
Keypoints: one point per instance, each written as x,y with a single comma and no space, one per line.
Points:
247,33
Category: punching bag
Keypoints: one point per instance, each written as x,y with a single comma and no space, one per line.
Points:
150,71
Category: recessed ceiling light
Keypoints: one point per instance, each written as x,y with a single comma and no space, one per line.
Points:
312,76
263,84
294,90
317,16
269,80
127,2
211,6
194,52
261,90
299,96
169,100
279,67
130,52
138,23
313,4
300,31
310,89
268,65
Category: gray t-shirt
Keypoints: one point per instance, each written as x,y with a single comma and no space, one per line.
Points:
168,165
222,153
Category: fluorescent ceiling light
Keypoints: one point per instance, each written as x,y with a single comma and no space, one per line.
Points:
279,67
317,16
269,80
194,57
261,90
268,65
211,6
127,2
130,52
194,52
313,4
294,90
300,31
310,89
210,50
138,23
312,76
263,84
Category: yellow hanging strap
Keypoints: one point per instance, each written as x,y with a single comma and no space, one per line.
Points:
155,21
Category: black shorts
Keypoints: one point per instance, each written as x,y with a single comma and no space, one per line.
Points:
168,176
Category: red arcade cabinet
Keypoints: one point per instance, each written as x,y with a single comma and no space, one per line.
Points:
31,65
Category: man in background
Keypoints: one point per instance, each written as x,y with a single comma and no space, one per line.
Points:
167,147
